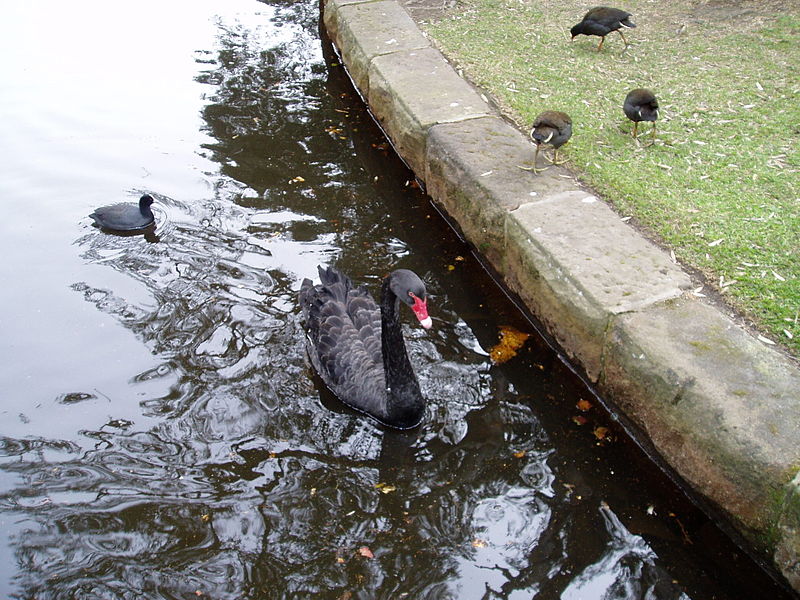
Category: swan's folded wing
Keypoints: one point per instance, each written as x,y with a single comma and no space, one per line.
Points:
366,317
345,362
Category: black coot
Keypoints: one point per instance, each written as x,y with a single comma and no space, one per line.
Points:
125,216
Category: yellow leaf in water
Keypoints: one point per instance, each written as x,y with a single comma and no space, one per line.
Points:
476,543
520,454
601,433
386,488
366,552
511,340
451,267
584,405
297,179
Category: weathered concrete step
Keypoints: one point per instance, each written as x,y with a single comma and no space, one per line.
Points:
365,30
720,407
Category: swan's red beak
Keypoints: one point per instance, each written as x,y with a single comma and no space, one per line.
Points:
420,309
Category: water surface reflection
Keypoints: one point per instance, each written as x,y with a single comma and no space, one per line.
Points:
172,441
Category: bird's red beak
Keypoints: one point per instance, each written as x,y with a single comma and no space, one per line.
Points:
420,309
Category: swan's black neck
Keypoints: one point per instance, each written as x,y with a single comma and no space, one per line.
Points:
401,383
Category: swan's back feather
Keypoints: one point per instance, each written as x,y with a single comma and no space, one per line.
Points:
344,343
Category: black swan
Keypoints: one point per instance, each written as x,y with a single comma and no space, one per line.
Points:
602,20
126,216
641,105
357,347
550,127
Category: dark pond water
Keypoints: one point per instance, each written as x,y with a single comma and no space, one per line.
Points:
162,435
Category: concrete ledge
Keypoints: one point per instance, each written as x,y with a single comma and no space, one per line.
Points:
369,29
472,171
572,260
409,92
720,407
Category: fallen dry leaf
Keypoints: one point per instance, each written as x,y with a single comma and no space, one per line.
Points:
520,454
476,543
511,340
579,420
386,488
600,433
584,405
366,552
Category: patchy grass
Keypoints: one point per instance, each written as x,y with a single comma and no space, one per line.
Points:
721,185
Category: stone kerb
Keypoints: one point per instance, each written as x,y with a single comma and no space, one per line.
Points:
364,30
408,85
573,259
473,170
722,407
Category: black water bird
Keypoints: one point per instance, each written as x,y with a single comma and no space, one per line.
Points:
602,20
553,128
357,346
641,105
125,216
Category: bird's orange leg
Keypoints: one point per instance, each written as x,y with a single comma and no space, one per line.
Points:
600,45
635,127
653,135
623,39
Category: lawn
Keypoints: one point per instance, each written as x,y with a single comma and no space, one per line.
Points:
720,187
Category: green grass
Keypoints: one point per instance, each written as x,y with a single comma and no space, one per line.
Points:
721,185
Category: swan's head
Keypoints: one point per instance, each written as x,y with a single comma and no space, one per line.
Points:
408,287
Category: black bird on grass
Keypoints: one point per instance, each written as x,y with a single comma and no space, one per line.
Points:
641,105
125,216
602,20
553,128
